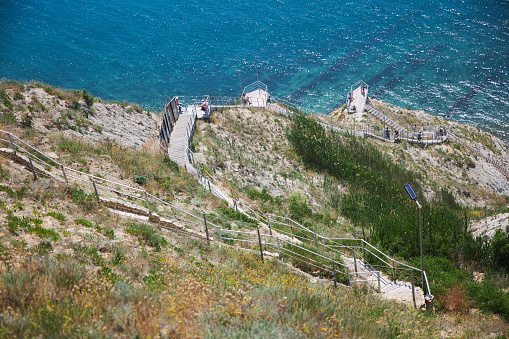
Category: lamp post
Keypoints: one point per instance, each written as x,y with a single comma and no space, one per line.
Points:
240,82
413,196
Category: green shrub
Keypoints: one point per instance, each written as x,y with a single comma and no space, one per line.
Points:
18,96
84,222
57,215
80,197
147,233
89,100
8,118
298,208
8,104
118,258
487,296
140,179
45,233
174,167
500,250
109,232
232,214
26,122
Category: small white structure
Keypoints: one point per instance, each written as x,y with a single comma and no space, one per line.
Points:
256,95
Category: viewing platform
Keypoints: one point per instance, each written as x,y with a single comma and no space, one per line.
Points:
256,95
356,99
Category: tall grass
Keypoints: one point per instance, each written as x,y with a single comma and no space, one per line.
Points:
377,200
378,203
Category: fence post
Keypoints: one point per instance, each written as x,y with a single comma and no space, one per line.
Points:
206,227
210,188
348,275
33,168
316,241
260,243
235,203
148,203
12,143
334,272
95,189
379,286
393,272
65,175
270,228
355,261
363,254
413,287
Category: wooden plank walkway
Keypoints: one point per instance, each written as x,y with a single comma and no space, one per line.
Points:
179,139
258,98
399,291
359,102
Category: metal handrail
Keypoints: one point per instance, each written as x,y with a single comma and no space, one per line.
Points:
92,178
254,86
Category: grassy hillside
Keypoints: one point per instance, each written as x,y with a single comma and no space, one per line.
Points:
73,268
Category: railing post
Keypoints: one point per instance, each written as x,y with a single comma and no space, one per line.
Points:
260,243
65,175
33,168
235,203
270,228
148,203
413,287
12,143
348,275
334,272
393,272
206,227
95,189
379,285
210,188
363,254
316,241
355,261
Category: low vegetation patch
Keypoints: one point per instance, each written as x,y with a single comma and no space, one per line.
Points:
147,233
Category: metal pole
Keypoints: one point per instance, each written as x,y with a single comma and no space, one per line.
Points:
260,243
379,288
206,227
355,262
363,254
334,272
348,275
413,288
65,175
95,189
12,143
240,82
316,241
393,272
420,238
148,203
33,168
258,81
270,228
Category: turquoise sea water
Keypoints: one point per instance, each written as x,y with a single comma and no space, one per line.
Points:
447,57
